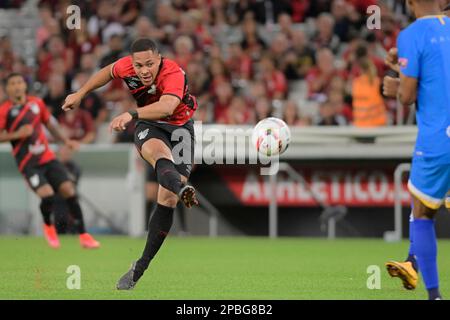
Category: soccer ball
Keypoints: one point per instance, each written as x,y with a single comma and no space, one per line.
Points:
271,136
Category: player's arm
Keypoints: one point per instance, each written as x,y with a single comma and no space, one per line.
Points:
96,81
55,130
159,110
21,133
407,93
155,111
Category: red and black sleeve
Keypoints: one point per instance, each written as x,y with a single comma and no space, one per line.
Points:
173,83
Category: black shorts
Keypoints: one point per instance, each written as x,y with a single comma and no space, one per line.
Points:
53,173
179,139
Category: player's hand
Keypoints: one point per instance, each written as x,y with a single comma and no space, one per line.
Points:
120,123
25,131
72,145
390,86
392,59
72,101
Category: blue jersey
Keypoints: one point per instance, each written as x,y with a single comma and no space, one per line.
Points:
424,54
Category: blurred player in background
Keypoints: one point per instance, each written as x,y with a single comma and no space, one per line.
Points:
165,105
423,60
21,119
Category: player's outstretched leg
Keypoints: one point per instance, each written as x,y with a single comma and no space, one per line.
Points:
158,229
86,240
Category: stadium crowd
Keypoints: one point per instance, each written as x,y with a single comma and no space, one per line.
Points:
308,62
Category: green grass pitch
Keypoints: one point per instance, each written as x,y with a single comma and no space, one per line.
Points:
203,268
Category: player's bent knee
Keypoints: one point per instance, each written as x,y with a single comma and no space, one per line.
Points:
421,211
67,189
45,191
167,198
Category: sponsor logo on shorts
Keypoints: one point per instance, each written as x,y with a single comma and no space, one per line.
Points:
143,134
34,180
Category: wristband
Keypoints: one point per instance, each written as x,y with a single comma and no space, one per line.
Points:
134,114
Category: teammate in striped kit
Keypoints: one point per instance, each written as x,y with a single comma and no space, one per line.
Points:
21,120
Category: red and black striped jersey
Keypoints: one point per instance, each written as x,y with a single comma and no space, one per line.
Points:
33,150
171,80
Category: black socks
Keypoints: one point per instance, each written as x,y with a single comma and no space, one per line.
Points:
76,214
47,209
158,228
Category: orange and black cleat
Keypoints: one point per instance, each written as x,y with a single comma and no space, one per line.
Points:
404,271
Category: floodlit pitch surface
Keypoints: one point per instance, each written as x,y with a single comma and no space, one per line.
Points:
204,268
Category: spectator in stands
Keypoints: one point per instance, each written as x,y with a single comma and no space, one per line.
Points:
92,102
78,125
285,25
56,94
56,48
325,36
48,27
328,116
252,42
129,12
222,98
299,59
291,114
184,51
319,77
369,109
198,78
237,113
81,42
239,63
336,98
263,109
279,47
115,50
7,55
276,84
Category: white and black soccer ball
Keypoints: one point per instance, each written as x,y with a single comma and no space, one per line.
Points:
271,136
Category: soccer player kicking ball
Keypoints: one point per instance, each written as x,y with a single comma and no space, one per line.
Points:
160,89
423,63
21,119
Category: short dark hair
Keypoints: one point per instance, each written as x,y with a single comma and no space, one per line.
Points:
144,44
13,75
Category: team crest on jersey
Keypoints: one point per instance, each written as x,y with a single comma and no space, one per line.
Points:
143,134
402,62
34,108
15,112
152,89
34,180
